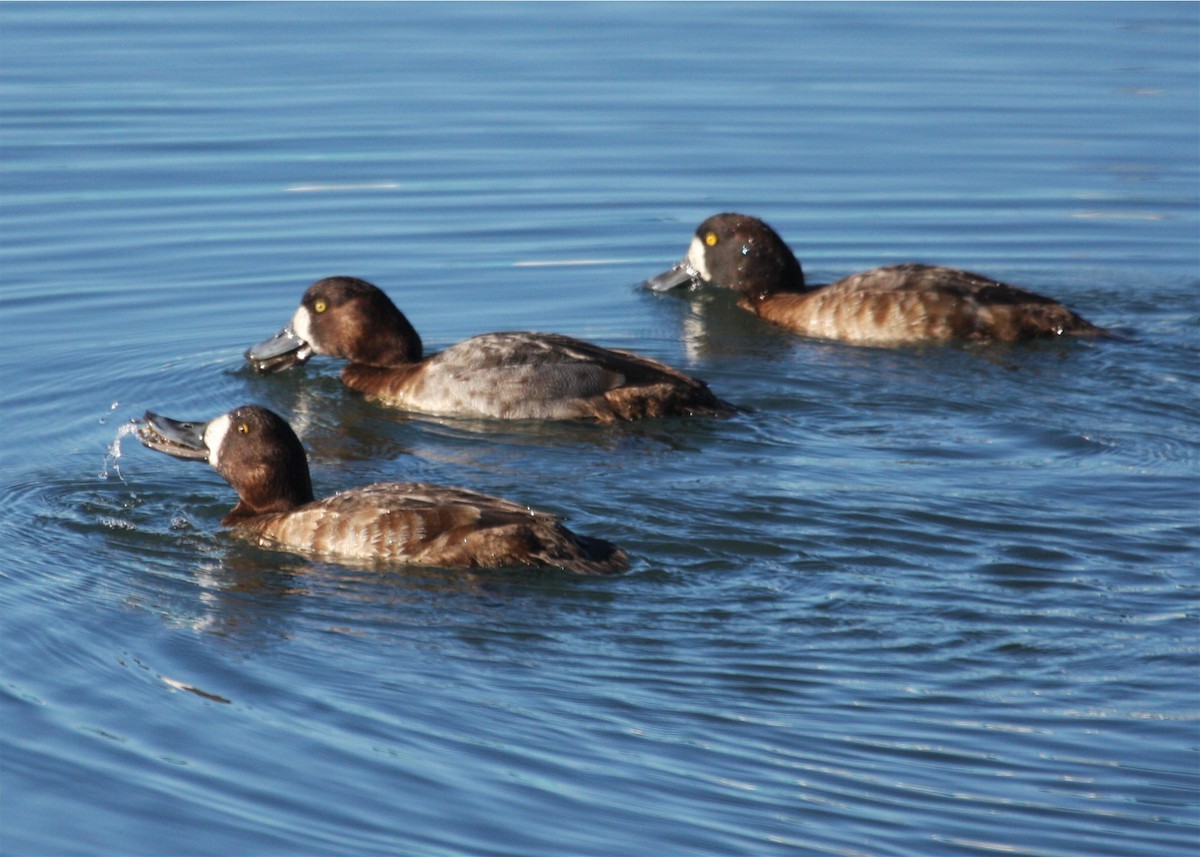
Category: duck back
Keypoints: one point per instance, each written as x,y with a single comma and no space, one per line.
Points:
911,303
537,376
432,525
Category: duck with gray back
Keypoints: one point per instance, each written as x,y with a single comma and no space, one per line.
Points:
519,376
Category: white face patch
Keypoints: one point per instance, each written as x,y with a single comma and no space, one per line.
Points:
214,436
302,324
695,258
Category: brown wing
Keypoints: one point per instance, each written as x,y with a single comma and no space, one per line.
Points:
902,303
433,525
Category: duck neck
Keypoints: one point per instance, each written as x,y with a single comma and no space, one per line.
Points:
792,277
284,490
383,381
772,271
400,347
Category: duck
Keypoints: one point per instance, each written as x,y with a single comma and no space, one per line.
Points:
512,375
893,305
408,523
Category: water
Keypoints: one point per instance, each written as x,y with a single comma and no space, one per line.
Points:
920,601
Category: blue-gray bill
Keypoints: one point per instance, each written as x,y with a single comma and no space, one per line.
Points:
282,351
178,438
680,275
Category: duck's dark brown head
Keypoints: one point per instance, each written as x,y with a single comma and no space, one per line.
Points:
341,317
253,448
738,252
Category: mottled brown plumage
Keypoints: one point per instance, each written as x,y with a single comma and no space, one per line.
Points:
388,523
433,525
883,306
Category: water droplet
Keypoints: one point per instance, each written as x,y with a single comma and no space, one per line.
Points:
114,450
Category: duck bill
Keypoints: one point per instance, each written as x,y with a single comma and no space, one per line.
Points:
177,438
282,351
680,275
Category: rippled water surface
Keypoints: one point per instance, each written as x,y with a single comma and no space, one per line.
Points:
915,601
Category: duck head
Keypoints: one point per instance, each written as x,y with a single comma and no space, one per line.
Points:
341,317
738,252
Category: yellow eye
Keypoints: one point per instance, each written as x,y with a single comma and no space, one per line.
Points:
243,428
320,306
710,238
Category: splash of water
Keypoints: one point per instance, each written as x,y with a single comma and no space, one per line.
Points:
113,454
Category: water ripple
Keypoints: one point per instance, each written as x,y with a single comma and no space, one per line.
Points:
909,601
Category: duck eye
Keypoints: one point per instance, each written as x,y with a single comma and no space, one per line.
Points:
710,238
320,306
243,428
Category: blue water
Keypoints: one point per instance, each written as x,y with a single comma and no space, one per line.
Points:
933,601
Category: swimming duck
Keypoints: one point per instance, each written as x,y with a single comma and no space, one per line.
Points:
260,456
883,306
498,375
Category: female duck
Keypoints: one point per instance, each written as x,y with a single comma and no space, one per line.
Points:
883,306
260,456
497,375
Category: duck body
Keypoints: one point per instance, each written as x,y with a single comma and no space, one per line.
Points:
414,523
914,303
884,306
536,376
387,523
514,375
